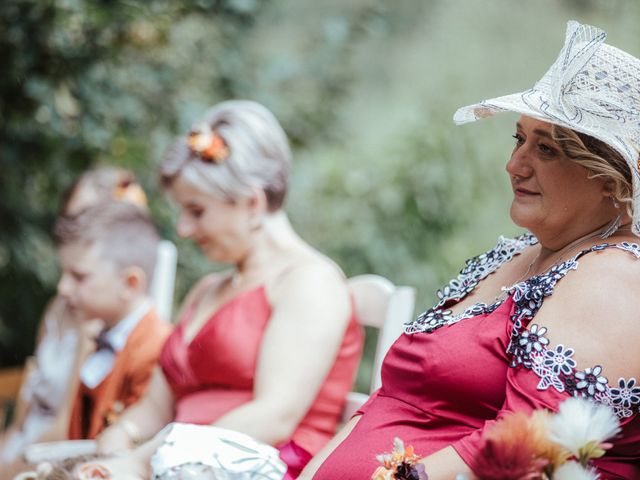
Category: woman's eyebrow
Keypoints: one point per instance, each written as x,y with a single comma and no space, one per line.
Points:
542,133
537,131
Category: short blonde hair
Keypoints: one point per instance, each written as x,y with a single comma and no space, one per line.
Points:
600,160
125,234
259,155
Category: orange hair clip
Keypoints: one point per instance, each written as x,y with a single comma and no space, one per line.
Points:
208,145
129,191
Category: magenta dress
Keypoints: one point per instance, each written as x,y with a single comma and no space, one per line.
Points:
449,377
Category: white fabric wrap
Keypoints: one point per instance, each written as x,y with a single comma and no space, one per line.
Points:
206,453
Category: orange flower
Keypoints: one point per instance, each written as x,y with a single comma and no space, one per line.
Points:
508,453
132,193
208,145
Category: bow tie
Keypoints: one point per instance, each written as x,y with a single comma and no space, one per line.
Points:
102,342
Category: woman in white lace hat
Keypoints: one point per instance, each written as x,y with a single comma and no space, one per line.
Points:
539,318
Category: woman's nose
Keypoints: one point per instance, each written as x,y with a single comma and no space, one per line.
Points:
519,165
184,227
64,286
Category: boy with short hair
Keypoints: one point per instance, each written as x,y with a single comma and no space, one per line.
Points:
108,254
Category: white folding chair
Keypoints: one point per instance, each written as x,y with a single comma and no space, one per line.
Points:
380,304
163,281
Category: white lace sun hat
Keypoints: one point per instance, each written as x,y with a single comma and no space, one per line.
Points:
592,88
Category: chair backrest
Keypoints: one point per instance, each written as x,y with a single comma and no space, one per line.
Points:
380,304
163,281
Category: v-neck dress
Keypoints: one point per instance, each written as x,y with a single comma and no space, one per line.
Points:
450,376
215,372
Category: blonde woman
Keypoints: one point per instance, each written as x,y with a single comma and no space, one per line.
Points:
268,348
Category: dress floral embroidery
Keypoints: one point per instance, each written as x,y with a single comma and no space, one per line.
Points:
475,270
528,346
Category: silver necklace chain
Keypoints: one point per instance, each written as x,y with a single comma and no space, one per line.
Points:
559,255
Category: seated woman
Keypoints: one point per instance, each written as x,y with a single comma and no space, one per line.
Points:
269,348
541,317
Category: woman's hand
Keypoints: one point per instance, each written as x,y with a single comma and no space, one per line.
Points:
141,420
114,439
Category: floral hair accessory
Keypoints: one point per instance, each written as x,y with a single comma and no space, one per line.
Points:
128,190
208,144
400,464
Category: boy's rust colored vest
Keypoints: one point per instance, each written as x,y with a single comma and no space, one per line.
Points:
95,409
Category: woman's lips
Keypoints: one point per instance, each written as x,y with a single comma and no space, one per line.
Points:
523,192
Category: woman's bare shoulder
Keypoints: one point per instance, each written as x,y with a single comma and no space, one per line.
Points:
312,279
594,310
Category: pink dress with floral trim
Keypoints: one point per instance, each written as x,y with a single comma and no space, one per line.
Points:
451,376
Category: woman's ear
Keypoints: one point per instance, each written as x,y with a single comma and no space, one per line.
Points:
609,188
258,207
258,200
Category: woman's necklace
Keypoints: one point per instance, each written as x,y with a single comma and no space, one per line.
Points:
557,257
236,279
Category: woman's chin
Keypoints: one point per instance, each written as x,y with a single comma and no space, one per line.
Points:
215,256
522,219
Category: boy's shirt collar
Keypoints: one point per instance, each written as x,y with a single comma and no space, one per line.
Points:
118,334
100,363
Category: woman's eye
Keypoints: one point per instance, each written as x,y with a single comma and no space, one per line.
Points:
78,277
196,212
519,139
545,149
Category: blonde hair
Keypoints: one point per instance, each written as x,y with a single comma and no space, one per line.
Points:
124,232
259,155
600,160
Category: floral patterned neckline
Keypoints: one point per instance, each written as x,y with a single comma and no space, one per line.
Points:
529,347
475,270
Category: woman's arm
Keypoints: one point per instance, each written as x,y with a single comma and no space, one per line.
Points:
320,457
310,313
52,313
142,420
446,464
59,427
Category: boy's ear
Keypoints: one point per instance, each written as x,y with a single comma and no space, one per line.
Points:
135,280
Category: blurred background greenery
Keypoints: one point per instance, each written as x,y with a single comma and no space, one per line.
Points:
382,181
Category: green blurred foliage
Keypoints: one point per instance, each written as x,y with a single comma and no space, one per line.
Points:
382,182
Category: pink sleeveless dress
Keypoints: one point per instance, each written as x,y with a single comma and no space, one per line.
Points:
214,373
449,376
